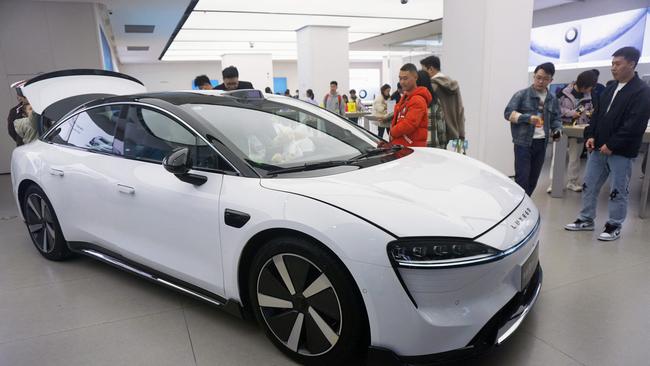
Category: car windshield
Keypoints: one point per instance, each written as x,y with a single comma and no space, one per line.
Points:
283,134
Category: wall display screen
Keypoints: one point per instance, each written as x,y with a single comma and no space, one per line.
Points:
588,42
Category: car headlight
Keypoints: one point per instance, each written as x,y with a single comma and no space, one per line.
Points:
434,252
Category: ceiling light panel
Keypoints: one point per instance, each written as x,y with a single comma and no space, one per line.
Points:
281,22
233,45
429,9
220,35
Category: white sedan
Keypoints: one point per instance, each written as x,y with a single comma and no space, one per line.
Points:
342,246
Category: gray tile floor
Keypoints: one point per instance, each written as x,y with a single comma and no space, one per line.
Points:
593,309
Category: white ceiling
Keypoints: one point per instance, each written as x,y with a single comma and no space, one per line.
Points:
215,27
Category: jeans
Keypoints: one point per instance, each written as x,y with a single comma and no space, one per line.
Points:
528,164
599,167
380,131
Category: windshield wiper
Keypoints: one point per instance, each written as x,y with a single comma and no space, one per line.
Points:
310,166
376,151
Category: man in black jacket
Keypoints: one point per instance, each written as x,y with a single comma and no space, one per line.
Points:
613,139
231,80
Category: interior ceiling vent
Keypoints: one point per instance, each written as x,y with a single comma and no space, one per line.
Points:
137,48
138,28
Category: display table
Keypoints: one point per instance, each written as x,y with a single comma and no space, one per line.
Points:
559,168
360,115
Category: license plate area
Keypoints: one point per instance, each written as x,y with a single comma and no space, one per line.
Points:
529,267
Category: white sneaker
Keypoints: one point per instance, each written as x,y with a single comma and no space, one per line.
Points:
574,187
549,189
610,233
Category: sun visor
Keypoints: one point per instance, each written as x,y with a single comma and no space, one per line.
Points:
47,89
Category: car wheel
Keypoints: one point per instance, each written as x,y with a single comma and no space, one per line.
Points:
307,303
43,225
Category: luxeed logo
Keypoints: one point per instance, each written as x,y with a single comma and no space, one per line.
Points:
523,216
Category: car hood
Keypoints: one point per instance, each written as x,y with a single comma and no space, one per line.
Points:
430,192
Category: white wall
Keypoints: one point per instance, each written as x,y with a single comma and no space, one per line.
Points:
323,56
38,37
289,70
488,70
256,68
172,75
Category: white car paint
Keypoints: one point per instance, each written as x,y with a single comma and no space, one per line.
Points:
140,211
430,192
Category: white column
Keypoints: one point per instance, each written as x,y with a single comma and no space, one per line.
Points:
323,56
390,66
486,50
256,68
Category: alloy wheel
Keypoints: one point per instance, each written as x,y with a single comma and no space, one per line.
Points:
40,222
299,304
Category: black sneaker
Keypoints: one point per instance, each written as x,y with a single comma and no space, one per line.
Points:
580,225
611,232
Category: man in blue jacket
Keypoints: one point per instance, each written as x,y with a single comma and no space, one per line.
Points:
534,116
613,139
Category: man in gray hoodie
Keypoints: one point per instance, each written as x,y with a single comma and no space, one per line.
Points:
448,96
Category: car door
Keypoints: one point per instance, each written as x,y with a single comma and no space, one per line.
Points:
165,223
76,174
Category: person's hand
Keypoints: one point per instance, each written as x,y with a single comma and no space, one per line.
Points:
28,110
536,120
605,150
575,114
590,144
556,135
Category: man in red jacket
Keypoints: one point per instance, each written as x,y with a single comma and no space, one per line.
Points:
411,120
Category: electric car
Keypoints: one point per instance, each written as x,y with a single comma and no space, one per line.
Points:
341,245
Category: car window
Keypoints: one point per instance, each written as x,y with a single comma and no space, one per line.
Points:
270,134
62,132
95,129
149,135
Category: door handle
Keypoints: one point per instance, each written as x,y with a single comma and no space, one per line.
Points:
57,172
125,189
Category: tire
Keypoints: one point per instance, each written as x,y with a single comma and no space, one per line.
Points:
323,322
43,226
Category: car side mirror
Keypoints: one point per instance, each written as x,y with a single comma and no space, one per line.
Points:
179,163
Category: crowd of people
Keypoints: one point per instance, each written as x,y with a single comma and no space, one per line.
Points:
614,119
426,110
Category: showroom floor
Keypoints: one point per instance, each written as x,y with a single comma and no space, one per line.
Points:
593,309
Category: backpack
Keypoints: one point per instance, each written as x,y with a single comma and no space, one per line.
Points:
327,97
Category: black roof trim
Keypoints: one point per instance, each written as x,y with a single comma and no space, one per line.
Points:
177,98
188,11
75,72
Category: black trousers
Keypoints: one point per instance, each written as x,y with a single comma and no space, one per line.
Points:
528,164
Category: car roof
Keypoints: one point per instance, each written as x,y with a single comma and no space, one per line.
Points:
180,98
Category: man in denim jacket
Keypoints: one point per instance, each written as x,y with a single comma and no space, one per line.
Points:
534,115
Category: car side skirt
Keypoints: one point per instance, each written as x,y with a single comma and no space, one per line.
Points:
231,306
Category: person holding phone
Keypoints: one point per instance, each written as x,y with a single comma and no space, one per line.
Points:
534,116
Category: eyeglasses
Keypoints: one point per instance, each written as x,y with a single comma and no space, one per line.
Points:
540,78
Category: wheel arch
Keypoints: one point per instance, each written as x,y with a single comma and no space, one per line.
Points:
22,188
262,238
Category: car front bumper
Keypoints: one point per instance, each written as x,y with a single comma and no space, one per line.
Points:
496,331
